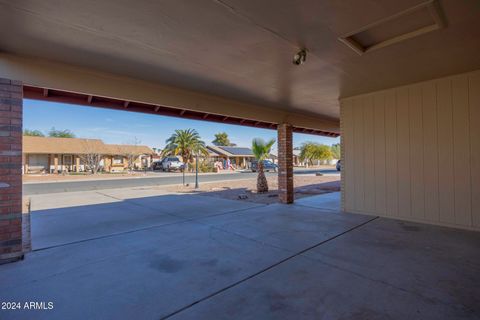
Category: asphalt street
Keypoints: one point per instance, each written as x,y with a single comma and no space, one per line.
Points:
162,179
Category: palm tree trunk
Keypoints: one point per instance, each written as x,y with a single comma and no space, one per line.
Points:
262,184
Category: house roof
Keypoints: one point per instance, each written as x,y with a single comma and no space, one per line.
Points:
128,149
231,151
61,145
49,145
238,150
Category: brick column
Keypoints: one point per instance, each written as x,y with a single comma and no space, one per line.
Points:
10,170
285,163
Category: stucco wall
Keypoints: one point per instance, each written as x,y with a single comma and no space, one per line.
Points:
413,152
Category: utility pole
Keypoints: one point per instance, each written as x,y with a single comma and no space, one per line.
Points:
196,171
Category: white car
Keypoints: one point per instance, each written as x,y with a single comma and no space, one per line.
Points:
169,164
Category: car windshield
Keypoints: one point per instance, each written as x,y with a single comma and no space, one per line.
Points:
173,159
267,162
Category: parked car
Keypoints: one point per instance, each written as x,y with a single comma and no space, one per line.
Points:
156,165
168,164
267,166
339,165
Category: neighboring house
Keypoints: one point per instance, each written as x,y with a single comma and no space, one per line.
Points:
240,157
55,155
119,155
296,158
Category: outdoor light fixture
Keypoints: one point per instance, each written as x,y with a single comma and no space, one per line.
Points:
300,57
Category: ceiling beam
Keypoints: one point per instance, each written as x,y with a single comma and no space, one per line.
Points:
42,73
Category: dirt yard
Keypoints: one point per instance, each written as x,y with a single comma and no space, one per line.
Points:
244,190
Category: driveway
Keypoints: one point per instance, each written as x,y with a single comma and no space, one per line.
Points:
138,254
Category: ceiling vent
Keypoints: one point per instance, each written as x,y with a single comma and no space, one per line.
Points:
413,22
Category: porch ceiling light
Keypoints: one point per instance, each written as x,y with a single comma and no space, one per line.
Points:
300,57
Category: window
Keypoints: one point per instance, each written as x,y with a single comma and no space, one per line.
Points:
118,160
67,160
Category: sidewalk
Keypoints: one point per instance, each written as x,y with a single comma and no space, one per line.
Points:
53,178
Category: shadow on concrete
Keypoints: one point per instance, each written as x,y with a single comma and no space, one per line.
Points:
195,257
60,226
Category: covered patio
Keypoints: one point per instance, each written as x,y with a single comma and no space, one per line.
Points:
149,255
398,80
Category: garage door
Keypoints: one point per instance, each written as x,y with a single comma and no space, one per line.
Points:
37,162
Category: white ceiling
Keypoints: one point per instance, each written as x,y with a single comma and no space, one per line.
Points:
242,49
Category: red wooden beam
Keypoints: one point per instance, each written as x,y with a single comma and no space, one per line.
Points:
45,94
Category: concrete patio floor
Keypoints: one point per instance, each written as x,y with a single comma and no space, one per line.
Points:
123,254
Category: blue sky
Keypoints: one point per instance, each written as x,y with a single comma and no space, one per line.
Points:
123,127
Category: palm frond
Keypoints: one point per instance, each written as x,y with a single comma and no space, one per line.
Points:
261,149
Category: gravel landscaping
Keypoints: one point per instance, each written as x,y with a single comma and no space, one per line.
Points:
244,190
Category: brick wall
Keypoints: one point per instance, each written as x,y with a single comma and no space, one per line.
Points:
10,170
285,163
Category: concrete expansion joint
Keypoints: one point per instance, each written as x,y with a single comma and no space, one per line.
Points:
141,229
300,253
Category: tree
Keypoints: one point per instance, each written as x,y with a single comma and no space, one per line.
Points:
92,157
61,133
33,133
310,151
185,143
261,151
221,139
336,151
324,152
129,151
307,152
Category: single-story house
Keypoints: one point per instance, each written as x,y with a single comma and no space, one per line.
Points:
240,157
55,155
119,156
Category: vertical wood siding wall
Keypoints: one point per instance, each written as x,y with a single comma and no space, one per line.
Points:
413,152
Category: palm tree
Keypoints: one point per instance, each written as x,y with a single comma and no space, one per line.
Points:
261,150
185,143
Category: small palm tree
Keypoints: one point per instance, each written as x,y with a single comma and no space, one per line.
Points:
185,143
261,150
